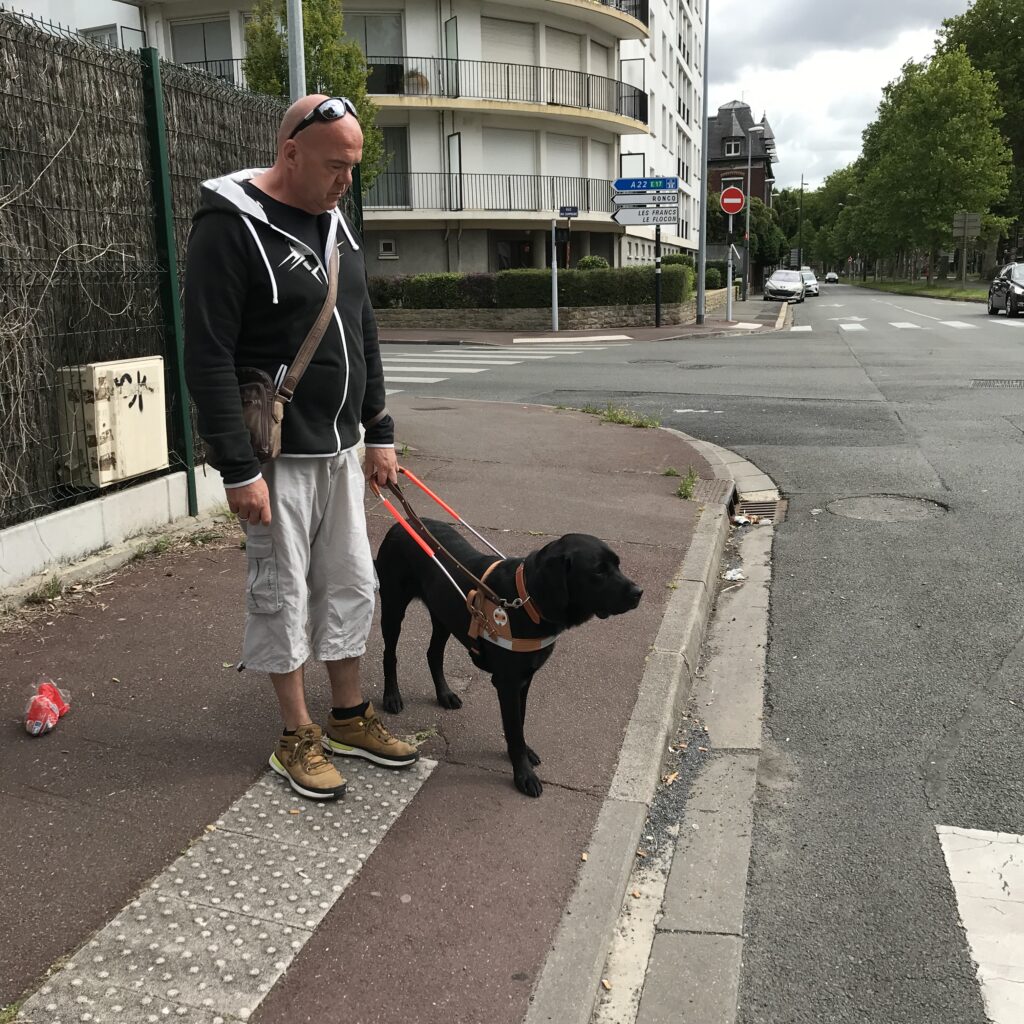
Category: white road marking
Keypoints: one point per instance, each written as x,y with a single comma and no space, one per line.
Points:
462,361
804,327
392,391
744,326
1006,322
959,324
717,412
852,319
574,339
987,871
437,369
853,327
413,380
489,353
907,327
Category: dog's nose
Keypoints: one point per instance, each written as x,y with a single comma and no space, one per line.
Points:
635,594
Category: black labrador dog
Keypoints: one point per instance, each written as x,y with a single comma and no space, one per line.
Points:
569,581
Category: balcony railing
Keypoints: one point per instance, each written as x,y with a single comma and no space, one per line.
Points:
639,9
526,193
229,70
490,80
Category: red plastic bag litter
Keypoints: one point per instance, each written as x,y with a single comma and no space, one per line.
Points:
46,706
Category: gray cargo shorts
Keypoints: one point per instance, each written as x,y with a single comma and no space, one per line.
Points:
311,568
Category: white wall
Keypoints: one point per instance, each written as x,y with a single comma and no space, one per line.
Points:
82,14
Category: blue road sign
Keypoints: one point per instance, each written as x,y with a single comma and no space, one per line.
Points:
645,184
568,211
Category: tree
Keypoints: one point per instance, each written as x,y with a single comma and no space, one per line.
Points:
992,34
334,65
934,149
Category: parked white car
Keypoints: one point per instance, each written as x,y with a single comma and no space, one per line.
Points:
810,282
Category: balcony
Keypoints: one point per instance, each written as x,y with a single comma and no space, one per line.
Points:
501,194
553,92
229,71
623,19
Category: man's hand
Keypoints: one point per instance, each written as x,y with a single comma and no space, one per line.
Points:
381,465
250,503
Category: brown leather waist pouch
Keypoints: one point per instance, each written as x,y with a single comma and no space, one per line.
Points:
262,410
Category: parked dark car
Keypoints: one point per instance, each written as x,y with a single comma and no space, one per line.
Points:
1007,291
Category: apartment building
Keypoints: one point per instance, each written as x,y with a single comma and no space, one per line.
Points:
495,116
669,67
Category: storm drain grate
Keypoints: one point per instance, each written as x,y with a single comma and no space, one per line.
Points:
997,383
773,510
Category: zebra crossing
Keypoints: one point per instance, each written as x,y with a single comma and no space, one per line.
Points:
903,325
434,366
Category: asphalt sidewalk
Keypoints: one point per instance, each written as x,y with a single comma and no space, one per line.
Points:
752,316
155,864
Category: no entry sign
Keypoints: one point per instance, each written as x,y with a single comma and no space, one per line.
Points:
732,200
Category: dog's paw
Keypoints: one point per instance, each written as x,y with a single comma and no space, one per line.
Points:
393,703
529,784
532,755
450,700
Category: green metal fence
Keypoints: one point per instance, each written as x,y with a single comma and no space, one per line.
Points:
101,155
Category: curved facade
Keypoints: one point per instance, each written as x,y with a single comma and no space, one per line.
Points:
495,115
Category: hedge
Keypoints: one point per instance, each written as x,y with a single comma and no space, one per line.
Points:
530,289
712,278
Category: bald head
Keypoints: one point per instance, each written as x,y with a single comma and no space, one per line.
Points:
294,114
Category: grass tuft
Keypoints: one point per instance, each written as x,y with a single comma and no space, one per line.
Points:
687,484
48,591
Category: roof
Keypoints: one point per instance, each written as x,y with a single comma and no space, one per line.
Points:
733,121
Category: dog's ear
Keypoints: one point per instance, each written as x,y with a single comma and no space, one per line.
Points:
549,580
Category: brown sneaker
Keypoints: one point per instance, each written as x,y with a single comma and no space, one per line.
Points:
367,736
301,761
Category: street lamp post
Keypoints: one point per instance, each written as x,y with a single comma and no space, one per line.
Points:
757,129
702,241
768,182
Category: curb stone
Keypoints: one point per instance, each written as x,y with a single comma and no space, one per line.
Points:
567,988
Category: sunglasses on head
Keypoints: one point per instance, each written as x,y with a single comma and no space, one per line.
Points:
333,109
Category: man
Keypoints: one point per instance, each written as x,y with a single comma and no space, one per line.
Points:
256,280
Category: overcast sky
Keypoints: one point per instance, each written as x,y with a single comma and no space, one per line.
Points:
817,69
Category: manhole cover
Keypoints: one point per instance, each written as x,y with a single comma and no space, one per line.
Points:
886,508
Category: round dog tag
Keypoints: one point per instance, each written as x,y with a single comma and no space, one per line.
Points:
500,617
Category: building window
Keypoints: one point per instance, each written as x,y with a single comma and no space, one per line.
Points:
732,147
732,183
104,36
203,43
387,249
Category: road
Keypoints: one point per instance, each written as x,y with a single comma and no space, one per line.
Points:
895,689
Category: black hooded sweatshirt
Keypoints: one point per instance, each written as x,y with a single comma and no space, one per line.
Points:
252,292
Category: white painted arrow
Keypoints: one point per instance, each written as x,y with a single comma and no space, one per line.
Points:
855,319
831,305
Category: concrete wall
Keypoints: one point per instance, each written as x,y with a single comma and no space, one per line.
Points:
539,319
419,252
46,543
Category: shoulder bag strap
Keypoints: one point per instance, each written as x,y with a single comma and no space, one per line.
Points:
316,332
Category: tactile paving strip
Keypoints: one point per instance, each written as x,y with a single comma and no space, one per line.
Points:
213,933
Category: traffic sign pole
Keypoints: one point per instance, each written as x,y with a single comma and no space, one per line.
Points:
728,275
554,276
657,276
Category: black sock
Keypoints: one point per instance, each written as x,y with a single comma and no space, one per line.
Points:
357,712
290,732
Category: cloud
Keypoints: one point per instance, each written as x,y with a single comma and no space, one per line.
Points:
817,69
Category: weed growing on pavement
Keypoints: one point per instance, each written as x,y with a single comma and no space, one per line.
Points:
201,537
671,471
49,591
10,1012
620,414
688,483
159,546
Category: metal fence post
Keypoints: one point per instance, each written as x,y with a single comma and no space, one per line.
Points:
174,348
